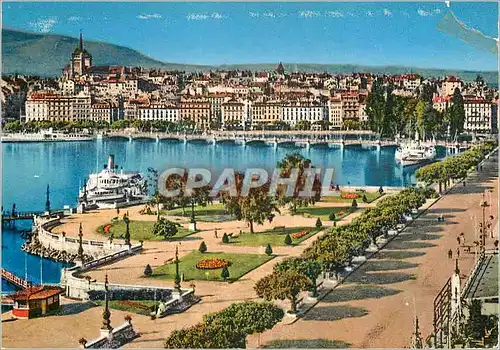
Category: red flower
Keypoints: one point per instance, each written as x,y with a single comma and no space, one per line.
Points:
299,234
212,264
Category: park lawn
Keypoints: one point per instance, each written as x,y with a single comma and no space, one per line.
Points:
140,307
240,264
324,212
274,237
208,210
140,231
370,197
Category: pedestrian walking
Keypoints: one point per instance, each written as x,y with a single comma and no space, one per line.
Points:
481,168
458,252
216,235
450,254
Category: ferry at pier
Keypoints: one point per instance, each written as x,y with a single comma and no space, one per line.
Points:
48,135
113,188
415,154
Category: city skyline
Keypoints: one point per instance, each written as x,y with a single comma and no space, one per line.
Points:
378,34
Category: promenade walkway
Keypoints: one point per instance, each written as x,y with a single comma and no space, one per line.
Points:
377,304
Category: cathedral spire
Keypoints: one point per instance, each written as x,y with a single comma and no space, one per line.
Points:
81,41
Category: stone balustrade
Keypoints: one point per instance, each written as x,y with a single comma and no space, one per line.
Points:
70,244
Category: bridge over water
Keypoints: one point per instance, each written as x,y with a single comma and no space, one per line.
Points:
307,139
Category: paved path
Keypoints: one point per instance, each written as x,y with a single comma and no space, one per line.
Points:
377,304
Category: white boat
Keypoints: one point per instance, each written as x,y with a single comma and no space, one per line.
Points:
48,135
414,153
111,188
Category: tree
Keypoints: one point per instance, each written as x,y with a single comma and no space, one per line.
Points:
354,204
376,107
319,224
248,317
203,247
477,322
165,228
283,285
288,239
255,207
365,200
457,113
286,165
225,238
309,268
224,273
331,217
269,250
148,271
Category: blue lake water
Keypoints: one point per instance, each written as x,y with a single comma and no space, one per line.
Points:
29,167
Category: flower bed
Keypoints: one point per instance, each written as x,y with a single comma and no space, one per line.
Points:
300,234
212,264
106,228
134,304
349,195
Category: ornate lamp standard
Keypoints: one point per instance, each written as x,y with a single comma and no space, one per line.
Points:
483,205
80,243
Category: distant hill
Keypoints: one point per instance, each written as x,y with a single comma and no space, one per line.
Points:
47,54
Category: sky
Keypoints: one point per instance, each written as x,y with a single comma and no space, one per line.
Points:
375,34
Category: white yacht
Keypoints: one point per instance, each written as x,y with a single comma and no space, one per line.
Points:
414,153
48,135
111,188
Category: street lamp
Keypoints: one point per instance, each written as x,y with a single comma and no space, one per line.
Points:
483,205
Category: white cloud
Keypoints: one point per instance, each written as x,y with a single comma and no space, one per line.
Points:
74,18
387,13
269,14
197,17
217,15
369,13
309,14
149,16
44,24
430,13
253,14
335,14
204,16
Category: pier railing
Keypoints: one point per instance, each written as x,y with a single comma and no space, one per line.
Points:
15,280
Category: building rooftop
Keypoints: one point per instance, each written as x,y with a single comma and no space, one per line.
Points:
484,282
36,293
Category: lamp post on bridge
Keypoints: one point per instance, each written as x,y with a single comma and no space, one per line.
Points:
483,204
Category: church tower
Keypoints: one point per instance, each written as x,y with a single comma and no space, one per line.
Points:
81,60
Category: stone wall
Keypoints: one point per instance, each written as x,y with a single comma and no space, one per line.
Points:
69,244
118,337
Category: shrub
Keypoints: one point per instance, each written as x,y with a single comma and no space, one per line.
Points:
203,247
224,273
354,203
380,190
288,239
225,238
319,224
148,271
269,250
365,199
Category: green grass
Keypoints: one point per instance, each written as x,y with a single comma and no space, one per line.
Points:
209,210
324,212
122,306
306,344
140,230
275,237
240,264
370,197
